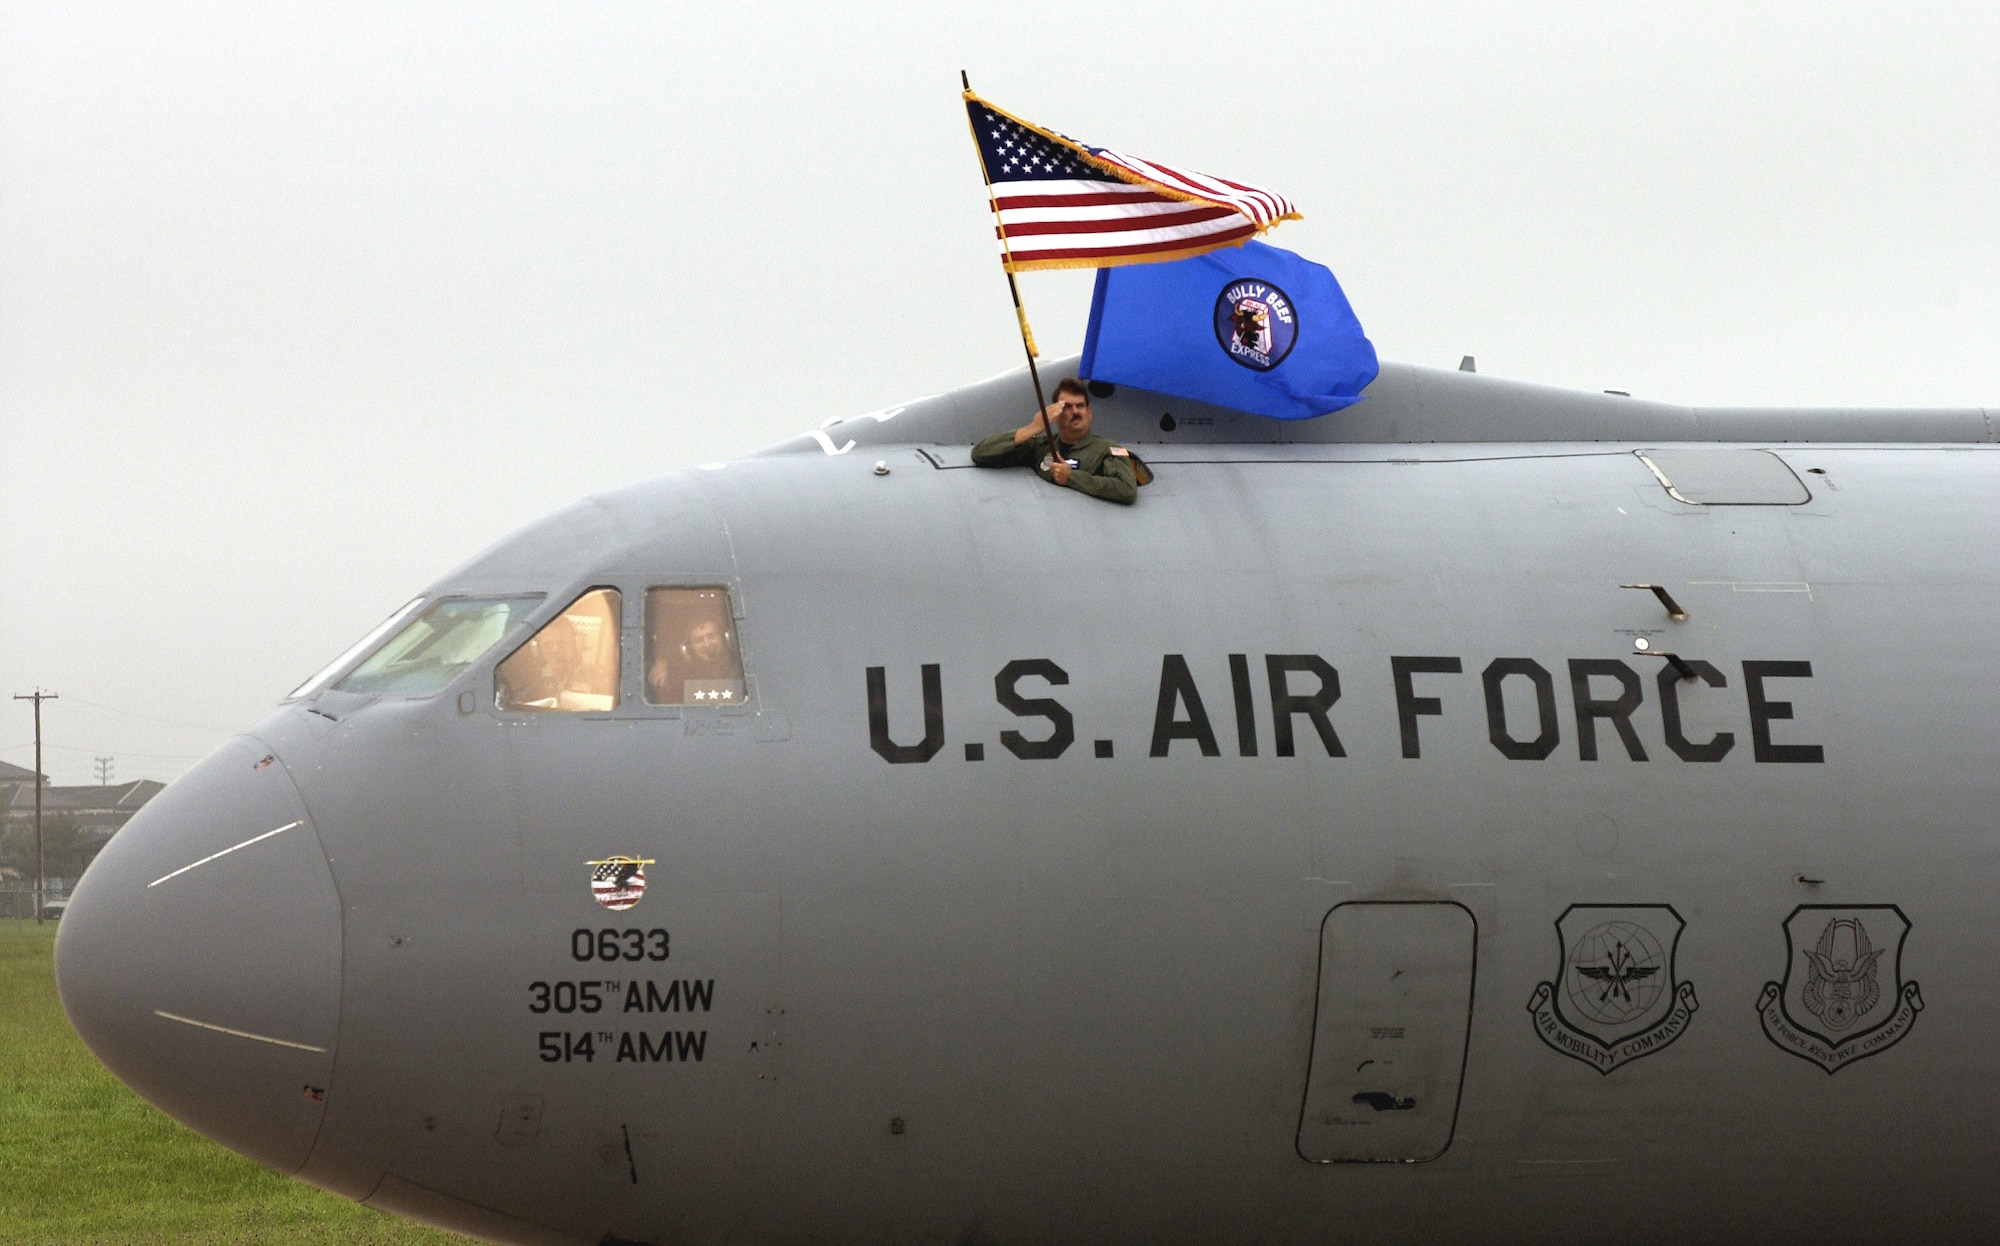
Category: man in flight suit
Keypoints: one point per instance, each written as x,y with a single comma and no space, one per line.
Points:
1085,463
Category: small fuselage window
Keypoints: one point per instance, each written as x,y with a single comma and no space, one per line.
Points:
570,665
434,647
691,653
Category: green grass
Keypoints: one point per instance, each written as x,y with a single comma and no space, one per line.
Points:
84,1160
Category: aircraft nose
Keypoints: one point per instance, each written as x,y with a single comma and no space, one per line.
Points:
199,958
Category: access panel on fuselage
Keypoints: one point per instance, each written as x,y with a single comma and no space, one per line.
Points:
1389,1033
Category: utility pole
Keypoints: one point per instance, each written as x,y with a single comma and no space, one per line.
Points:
104,771
38,696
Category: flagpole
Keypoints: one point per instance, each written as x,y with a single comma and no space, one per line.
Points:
1013,287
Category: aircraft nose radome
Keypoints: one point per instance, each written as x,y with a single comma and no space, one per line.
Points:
200,957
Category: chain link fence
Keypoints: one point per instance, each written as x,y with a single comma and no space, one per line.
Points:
18,901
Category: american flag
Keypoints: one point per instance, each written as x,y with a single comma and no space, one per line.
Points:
1065,204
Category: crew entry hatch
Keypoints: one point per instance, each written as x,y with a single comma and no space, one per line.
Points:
1389,1032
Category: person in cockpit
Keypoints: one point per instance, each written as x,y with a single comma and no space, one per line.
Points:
571,664
692,648
1083,462
535,676
707,651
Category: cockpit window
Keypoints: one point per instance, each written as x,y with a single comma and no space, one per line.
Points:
355,650
571,664
691,652
438,644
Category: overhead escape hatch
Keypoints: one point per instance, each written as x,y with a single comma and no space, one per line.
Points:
1726,477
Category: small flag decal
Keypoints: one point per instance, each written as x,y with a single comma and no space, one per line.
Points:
618,883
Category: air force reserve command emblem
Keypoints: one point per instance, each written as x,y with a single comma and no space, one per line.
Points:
1843,998
1615,997
1255,323
617,883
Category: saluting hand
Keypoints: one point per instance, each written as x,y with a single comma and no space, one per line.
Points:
1033,428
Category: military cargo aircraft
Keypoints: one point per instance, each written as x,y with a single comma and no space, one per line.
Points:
1491,813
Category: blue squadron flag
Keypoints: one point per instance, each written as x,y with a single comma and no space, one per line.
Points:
1059,203
1257,329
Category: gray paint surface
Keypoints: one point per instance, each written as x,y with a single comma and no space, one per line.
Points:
1086,987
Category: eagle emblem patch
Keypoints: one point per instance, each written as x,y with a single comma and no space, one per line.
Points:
1843,998
1615,997
618,883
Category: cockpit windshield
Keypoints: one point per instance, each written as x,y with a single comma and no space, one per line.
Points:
570,665
355,650
438,644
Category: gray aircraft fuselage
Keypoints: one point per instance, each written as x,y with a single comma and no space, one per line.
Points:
1309,852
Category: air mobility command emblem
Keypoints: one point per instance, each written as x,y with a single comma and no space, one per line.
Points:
617,883
1615,997
1843,998
1255,324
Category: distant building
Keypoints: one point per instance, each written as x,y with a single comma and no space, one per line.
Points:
99,809
12,777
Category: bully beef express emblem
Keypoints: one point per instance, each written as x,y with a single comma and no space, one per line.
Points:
618,883
1615,997
1843,997
1255,324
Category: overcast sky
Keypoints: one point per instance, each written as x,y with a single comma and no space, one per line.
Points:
301,306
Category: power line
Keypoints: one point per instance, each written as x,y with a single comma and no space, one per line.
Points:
78,748
104,765
152,718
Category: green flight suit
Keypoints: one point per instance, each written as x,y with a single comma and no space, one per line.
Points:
1098,471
